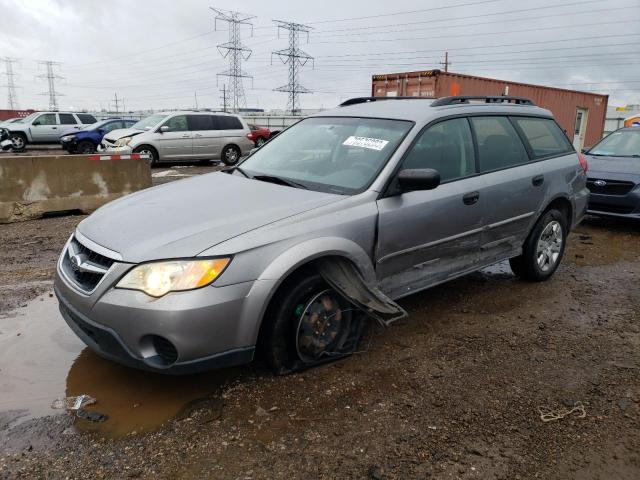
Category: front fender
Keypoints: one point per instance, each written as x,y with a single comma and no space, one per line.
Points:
272,277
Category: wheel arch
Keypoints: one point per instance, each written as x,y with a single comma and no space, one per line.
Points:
562,203
297,261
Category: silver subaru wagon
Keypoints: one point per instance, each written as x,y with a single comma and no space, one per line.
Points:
331,222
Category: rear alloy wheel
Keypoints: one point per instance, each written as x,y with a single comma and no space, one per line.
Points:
19,141
543,250
260,141
311,324
230,155
86,147
149,152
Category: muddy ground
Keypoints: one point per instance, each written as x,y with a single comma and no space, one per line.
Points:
455,391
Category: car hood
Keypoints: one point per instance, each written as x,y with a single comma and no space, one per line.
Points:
618,165
184,218
122,132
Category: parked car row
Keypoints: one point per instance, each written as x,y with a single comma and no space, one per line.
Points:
46,127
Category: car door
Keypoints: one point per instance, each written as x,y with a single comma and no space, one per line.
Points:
426,237
206,137
44,129
176,143
230,130
515,186
68,124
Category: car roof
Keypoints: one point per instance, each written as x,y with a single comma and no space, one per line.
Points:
196,112
422,111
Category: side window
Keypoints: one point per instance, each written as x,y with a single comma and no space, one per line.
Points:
112,126
200,122
46,119
86,119
67,119
177,124
128,123
228,123
544,136
499,146
446,147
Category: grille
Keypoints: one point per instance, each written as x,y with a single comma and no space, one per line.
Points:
603,207
612,187
89,267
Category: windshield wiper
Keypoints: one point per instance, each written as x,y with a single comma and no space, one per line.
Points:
238,169
279,181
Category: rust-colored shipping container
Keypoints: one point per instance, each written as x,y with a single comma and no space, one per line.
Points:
7,114
580,114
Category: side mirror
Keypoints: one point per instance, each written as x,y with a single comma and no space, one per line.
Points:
36,123
418,179
164,128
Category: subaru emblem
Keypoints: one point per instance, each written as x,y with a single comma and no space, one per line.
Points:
599,183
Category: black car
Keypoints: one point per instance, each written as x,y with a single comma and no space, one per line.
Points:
614,174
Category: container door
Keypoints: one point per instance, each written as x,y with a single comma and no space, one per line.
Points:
580,130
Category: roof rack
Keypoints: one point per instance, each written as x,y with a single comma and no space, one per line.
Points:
357,100
441,102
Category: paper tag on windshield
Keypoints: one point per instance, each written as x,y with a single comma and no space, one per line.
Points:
366,142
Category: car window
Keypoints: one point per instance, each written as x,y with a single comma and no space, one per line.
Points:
200,122
112,126
228,123
446,147
46,119
177,124
499,146
623,143
544,136
86,119
339,155
67,119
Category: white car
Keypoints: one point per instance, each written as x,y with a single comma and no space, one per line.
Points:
183,136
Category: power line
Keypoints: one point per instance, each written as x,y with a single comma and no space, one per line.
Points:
12,99
236,52
295,58
51,77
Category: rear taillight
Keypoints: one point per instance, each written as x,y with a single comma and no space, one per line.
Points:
583,162
250,136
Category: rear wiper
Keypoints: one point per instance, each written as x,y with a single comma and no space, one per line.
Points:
279,181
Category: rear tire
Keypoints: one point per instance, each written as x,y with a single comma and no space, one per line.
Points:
19,141
150,151
543,249
308,324
85,147
230,155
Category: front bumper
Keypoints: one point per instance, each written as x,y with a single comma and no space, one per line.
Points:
621,206
182,332
69,145
106,148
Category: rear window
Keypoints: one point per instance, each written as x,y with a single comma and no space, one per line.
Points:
229,123
67,119
499,145
86,119
544,136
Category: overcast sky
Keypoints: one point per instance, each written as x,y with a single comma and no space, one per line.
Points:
158,53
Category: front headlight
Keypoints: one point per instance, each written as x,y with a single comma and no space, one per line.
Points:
123,142
67,138
159,278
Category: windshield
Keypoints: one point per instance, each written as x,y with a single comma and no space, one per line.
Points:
93,126
623,143
337,155
148,122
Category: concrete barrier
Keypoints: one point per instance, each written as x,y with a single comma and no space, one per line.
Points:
31,186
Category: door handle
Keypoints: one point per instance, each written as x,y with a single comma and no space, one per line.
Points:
186,135
538,180
54,128
198,135
471,198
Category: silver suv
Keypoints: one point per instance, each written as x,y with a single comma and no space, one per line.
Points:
330,223
183,136
46,127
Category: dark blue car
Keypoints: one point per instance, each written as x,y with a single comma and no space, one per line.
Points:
86,141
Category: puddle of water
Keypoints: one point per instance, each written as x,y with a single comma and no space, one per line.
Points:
41,359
